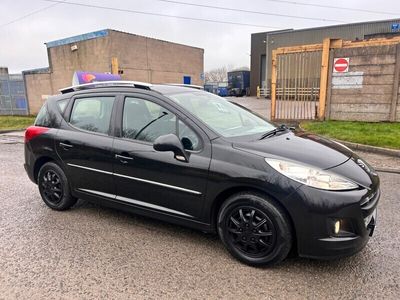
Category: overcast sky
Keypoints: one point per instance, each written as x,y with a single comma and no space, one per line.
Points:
22,42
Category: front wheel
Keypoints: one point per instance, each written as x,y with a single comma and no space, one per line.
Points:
254,229
54,188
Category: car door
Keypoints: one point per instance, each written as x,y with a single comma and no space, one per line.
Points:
155,180
84,144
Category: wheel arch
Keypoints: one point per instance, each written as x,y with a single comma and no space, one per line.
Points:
224,195
39,163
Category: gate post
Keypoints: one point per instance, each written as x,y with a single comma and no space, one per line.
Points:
324,78
273,85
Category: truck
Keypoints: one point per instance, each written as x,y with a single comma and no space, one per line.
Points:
238,83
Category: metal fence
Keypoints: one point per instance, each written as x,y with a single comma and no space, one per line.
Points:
12,95
297,85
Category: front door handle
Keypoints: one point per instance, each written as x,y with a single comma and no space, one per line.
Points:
66,146
122,158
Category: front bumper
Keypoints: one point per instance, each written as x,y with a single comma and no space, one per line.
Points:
344,244
316,212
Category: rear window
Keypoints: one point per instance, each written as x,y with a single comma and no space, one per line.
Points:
43,118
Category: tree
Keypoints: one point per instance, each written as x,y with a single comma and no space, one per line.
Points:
221,74
217,75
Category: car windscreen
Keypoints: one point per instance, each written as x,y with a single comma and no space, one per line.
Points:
224,117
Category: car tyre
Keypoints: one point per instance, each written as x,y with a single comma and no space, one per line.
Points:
255,229
54,187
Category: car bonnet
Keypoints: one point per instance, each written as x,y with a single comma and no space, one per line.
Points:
305,148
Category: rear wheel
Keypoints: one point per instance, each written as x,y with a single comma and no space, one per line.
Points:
54,188
254,229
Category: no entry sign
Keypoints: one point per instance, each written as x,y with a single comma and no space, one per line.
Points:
341,65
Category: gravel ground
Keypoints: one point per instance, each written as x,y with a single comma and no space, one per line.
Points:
93,252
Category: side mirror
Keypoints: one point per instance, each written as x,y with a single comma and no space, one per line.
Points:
170,142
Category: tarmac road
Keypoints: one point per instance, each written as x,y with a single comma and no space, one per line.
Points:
93,252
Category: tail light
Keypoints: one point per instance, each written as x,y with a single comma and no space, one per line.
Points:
34,131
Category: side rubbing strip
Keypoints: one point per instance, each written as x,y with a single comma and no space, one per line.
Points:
136,202
139,179
153,206
159,184
90,169
107,195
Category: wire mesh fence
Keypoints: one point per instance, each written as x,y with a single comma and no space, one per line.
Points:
12,95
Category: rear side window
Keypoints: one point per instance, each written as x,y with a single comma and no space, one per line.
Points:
43,118
92,114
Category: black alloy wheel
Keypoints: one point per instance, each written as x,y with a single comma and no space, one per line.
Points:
255,229
54,187
251,231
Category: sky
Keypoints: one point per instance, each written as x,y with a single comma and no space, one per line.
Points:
23,30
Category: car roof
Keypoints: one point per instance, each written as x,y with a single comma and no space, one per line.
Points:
166,89
126,86
162,88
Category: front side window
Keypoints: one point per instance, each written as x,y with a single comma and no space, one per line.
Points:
145,121
92,114
224,117
188,137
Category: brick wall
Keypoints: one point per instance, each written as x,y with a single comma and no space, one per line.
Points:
156,61
91,55
140,58
38,86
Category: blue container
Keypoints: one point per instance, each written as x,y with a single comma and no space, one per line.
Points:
238,83
222,91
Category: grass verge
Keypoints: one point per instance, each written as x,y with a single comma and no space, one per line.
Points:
15,122
382,134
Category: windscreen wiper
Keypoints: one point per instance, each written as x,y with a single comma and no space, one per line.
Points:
274,131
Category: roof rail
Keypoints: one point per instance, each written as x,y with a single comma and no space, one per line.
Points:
198,87
101,84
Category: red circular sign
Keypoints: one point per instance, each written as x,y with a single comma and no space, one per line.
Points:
341,65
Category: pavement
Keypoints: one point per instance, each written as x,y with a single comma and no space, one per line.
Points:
92,252
261,106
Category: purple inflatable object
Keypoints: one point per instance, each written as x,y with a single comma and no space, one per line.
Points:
81,77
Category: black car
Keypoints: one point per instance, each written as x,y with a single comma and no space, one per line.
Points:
189,157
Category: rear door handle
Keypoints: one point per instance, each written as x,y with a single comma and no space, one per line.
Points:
122,158
65,146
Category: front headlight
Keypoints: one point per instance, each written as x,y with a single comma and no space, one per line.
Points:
311,176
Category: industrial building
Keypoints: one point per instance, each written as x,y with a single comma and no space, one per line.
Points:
134,57
263,43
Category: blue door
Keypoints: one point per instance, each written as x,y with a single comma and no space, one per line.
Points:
187,80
